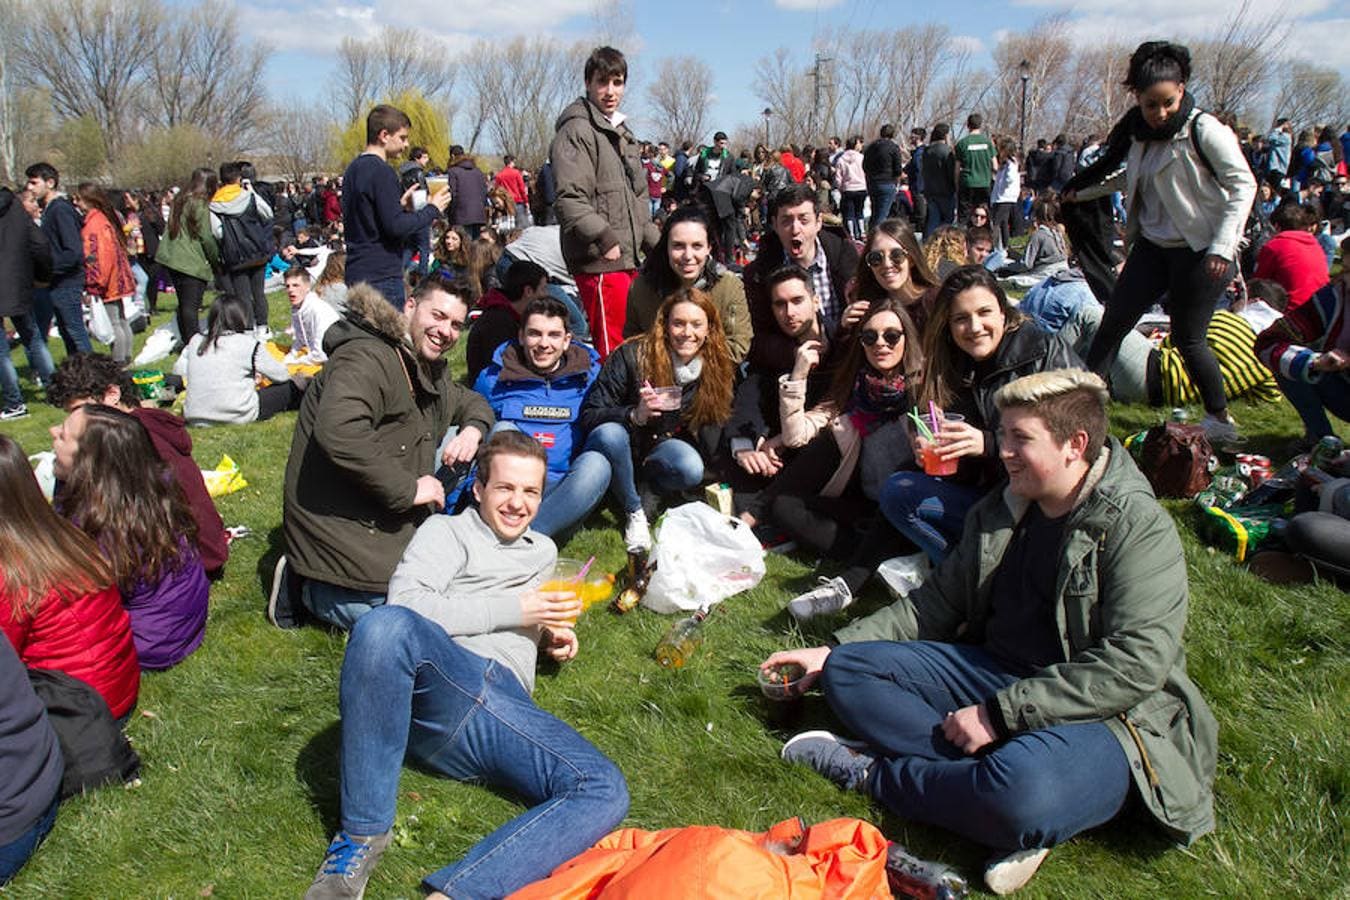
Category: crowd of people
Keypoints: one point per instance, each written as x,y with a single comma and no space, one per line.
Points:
829,331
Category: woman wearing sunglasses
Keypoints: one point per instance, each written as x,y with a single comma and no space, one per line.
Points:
976,342
893,268
825,497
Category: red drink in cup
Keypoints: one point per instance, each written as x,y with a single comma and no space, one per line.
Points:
932,463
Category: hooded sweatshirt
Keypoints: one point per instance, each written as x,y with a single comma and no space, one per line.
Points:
170,436
232,200
1294,260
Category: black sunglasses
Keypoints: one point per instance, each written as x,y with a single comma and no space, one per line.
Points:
891,336
875,258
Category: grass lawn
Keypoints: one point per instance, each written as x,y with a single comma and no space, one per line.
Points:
240,742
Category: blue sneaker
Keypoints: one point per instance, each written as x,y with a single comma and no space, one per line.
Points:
347,866
842,761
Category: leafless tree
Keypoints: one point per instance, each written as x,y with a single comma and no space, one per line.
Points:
1232,67
300,138
1094,98
518,89
1048,51
781,83
390,62
1311,95
926,61
680,95
91,55
205,75
10,37
856,101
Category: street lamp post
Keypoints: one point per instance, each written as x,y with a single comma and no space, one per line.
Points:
768,111
1024,72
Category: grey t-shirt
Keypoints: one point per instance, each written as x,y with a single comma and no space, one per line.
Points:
30,757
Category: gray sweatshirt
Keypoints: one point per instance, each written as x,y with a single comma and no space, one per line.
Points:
461,576
220,386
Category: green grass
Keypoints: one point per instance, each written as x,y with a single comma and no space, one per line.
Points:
239,743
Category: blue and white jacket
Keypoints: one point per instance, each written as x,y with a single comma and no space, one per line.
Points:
543,406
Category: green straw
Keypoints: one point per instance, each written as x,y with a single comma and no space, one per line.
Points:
918,421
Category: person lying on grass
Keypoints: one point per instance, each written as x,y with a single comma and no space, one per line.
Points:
1018,703
443,674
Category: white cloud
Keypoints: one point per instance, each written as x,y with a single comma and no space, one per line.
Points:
969,43
1321,42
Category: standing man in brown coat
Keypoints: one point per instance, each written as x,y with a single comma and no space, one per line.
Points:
602,197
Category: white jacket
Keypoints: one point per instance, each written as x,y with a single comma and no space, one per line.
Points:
1210,211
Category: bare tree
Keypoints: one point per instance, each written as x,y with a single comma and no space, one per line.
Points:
517,90
1231,68
923,55
300,137
780,82
206,76
10,37
91,56
856,99
680,95
1048,51
1094,98
1311,95
393,61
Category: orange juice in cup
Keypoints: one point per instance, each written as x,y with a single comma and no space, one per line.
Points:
566,579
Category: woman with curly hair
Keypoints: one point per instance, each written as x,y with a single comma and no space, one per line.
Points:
59,604
661,400
945,250
118,491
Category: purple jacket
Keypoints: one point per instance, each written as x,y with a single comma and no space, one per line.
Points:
168,618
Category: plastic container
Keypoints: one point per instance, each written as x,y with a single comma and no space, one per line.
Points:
928,451
666,399
681,642
781,682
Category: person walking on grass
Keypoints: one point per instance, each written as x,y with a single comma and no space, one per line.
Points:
61,223
376,213
602,197
1018,703
443,675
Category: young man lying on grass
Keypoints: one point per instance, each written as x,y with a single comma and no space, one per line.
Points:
1017,703
443,674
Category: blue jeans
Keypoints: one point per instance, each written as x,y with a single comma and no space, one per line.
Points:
17,852
1036,789
339,606
941,211
68,304
1312,400
392,289
883,197
673,466
408,689
929,511
39,360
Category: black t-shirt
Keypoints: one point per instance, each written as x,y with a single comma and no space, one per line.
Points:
1021,632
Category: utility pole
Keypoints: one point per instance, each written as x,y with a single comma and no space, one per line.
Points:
820,85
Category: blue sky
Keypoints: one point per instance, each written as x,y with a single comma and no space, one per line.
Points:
731,36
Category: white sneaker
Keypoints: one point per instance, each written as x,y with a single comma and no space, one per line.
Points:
637,534
1011,872
831,597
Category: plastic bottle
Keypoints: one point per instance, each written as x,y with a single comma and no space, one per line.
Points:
910,876
679,644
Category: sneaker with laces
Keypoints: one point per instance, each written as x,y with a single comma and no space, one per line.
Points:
1009,873
830,597
637,534
346,867
842,761
283,601
14,412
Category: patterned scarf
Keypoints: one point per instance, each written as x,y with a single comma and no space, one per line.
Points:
876,399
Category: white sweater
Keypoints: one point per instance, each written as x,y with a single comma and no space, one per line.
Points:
220,385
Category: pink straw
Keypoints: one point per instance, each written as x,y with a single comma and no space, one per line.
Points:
584,569
933,415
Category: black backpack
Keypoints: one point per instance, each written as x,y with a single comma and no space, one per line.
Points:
245,239
95,750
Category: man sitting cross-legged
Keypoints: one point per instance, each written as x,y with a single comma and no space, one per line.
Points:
443,674
1015,702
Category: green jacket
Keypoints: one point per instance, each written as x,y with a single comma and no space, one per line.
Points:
199,256
1122,596
368,428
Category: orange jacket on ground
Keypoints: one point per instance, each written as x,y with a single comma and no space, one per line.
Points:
842,859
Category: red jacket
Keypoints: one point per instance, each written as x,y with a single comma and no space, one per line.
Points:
1295,261
332,206
107,270
88,638
514,183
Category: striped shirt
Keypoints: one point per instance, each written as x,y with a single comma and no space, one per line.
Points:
1232,340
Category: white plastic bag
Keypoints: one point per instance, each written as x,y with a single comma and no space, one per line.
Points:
158,345
100,325
44,469
702,557
903,574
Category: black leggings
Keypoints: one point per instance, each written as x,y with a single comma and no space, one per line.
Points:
247,285
848,528
277,398
1001,219
189,292
1179,272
